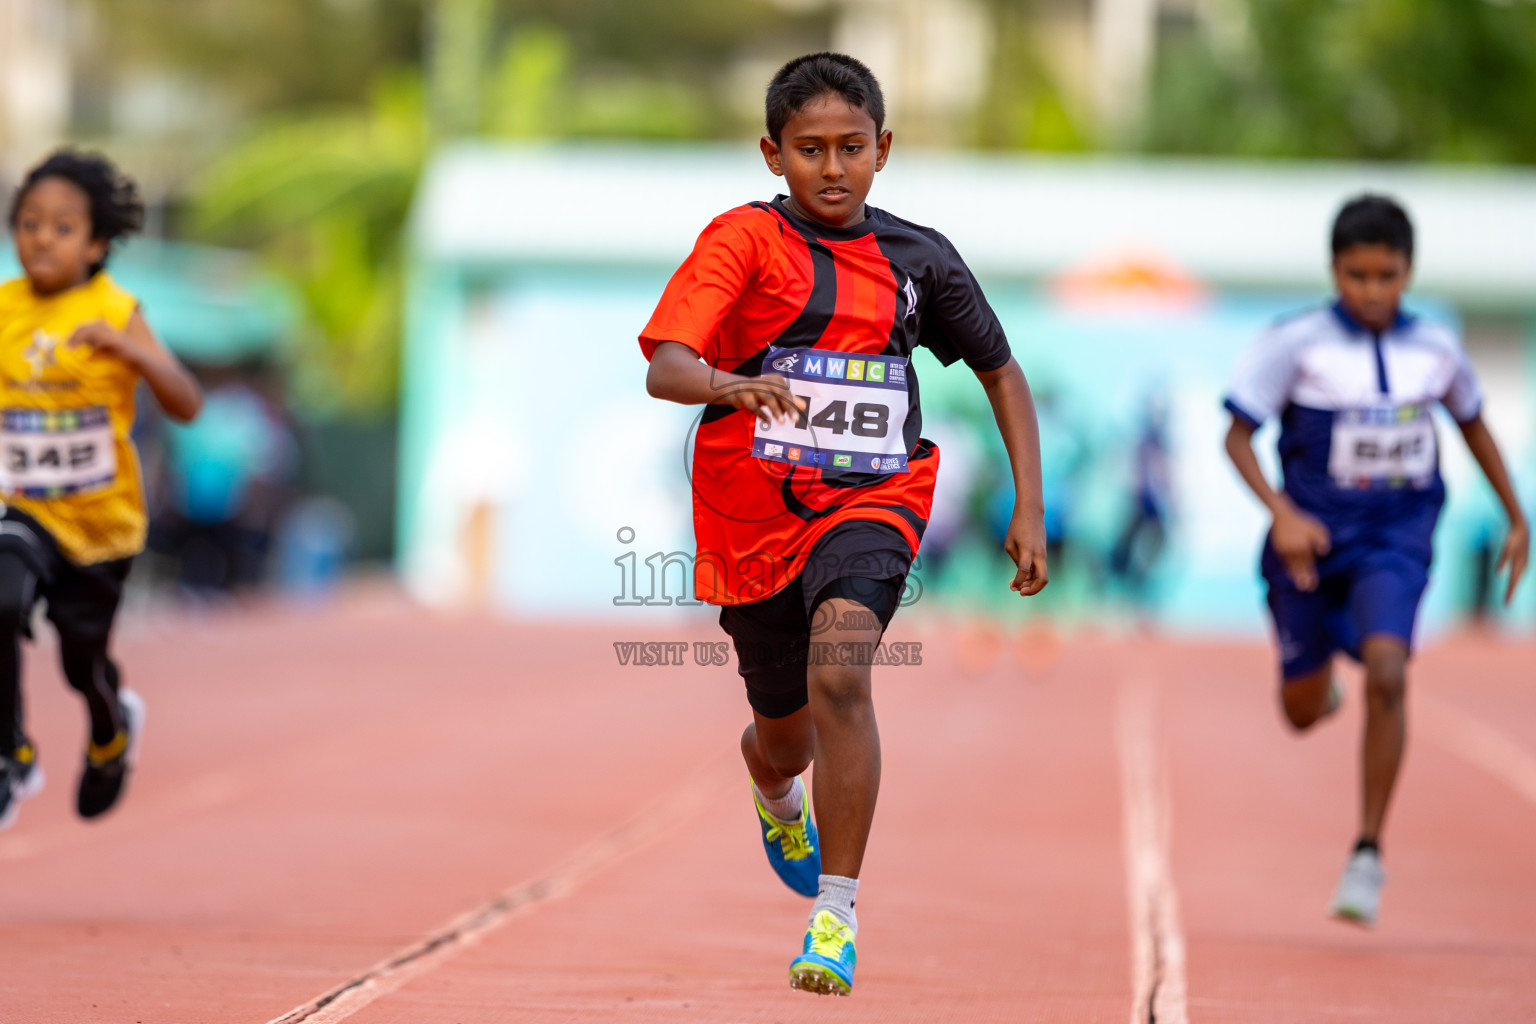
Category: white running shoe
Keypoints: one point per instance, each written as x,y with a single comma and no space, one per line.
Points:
21,778
30,783
1335,697
26,773
1358,896
10,801
106,769
133,714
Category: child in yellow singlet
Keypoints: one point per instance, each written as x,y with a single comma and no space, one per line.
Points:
73,347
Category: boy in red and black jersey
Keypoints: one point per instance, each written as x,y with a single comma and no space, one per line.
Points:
811,481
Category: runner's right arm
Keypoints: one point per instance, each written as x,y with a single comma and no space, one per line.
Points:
677,375
1260,389
1298,538
173,385
697,298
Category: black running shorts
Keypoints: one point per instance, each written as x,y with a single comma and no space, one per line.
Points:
861,561
82,599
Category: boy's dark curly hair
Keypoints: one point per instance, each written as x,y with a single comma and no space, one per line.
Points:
1373,220
807,78
116,209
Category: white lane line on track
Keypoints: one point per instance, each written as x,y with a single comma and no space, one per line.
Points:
1476,741
1159,994
432,951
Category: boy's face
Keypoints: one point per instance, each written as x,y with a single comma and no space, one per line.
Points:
1371,279
828,158
53,235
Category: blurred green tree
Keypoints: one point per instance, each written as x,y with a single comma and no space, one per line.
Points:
325,195
273,54
1388,79
323,183
1023,106
536,91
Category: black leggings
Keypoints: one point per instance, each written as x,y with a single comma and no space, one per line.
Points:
84,657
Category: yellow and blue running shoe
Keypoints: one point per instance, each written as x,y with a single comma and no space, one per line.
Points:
826,966
793,848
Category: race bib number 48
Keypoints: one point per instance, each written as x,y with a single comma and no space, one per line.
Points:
51,454
856,411
1383,447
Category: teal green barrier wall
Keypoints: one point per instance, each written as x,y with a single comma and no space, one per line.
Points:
209,305
524,400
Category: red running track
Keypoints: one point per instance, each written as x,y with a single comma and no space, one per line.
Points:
414,818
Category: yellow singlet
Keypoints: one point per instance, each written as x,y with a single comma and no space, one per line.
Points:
66,412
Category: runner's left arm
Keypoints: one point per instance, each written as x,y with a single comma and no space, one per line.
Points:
960,324
174,386
1517,544
1014,408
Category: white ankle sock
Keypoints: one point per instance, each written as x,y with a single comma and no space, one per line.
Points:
788,806
836,895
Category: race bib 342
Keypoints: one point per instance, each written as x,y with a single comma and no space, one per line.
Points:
48,454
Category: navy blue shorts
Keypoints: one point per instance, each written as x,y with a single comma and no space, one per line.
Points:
1359,593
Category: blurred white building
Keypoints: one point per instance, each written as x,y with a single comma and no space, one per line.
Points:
932,58
35,79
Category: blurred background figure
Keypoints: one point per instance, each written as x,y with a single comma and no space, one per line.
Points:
1140,546
1063,458
953,495
229,477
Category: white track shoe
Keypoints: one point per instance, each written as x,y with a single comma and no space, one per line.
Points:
1358,896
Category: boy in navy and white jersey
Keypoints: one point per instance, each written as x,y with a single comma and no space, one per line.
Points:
1347,559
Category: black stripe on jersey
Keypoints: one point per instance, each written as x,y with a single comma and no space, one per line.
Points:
908,253
794,504
807,329
903,338
713,413
809,324
913,520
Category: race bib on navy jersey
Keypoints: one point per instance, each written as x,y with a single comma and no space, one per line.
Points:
856,409
1390,446
52,454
